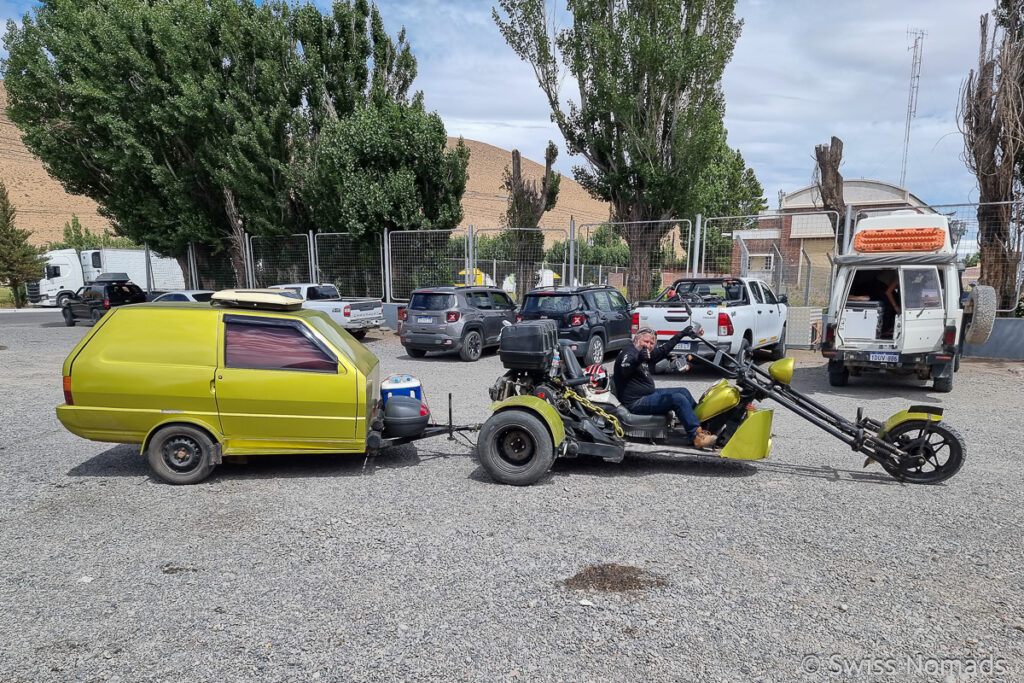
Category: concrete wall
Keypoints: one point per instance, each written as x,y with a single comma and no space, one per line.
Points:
1006,341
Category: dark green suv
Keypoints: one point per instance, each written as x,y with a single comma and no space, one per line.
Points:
92,301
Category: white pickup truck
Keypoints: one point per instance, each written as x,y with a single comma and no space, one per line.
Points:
738,315
355,314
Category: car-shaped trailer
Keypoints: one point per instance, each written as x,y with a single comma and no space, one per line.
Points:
249,373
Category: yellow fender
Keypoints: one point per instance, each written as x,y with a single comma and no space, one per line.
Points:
544,411
753,439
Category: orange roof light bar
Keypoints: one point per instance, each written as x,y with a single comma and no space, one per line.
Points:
900,239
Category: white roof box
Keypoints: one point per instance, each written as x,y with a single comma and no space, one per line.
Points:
261,299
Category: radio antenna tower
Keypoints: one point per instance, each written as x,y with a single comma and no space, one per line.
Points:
915,81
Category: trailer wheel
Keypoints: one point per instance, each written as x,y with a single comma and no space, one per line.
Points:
981,307
936,451
181,454
515,447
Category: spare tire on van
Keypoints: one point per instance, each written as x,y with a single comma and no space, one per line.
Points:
980,314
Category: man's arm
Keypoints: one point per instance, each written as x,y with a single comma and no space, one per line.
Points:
662,350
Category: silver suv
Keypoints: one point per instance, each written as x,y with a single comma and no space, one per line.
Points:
464,318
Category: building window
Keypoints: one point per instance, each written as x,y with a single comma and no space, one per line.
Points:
761,262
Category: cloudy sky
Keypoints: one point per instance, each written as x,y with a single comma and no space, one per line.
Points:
803,70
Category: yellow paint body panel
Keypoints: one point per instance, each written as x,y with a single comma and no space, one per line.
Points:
753,439
716,400
154,364
782,370
541,407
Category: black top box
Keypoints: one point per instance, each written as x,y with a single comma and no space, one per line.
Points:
529,345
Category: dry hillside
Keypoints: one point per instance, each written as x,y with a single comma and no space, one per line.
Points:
44,207
484,202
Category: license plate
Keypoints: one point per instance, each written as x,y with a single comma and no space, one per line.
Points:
683,346
883,357
424,319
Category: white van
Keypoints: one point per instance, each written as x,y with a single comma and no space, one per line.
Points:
896,302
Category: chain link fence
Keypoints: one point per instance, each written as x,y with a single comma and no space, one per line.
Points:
279,260
354,266
602,253
426,258
518,260
210,268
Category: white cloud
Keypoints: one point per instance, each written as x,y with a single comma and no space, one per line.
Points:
803,70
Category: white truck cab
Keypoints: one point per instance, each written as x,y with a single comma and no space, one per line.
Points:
896,303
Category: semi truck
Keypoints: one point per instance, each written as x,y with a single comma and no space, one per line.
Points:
67,270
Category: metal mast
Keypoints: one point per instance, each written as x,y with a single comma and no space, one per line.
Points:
915,80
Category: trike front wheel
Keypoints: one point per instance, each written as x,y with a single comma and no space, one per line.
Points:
935,451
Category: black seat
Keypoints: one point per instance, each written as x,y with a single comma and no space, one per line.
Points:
573,370
645,422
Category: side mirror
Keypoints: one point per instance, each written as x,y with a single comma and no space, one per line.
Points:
783,299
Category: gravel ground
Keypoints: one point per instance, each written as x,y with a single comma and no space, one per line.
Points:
416,566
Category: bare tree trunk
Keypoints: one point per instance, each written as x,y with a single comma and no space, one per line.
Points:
991,117
236,238
830,184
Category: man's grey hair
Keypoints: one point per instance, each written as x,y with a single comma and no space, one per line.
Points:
643,332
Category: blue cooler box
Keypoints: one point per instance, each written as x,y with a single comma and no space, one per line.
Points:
400,385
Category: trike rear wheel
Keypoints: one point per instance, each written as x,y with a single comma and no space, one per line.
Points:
936,451
515,447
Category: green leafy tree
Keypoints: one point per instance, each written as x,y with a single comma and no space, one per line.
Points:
650,101
76,236
20,262
212,117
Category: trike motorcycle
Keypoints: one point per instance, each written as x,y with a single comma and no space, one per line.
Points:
545,409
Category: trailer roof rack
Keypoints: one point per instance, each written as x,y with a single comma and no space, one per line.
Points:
259,299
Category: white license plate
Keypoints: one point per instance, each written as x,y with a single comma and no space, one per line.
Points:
683,346
883,357
424,319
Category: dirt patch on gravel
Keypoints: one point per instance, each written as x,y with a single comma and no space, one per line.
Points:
614,578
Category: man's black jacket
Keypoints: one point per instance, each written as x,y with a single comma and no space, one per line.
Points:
631,380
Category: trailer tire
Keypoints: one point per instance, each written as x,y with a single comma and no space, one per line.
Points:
181,454
981,307
515,447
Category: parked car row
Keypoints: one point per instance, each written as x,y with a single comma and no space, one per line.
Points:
468,319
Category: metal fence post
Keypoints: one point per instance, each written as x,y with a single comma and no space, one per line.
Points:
744,256
572,252
249,259
807,287
848,228
149,269
778,268
696,244
386,255
314,263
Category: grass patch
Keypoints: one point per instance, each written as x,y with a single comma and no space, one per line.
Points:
6,297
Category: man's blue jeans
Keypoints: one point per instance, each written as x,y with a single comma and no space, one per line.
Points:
679,400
